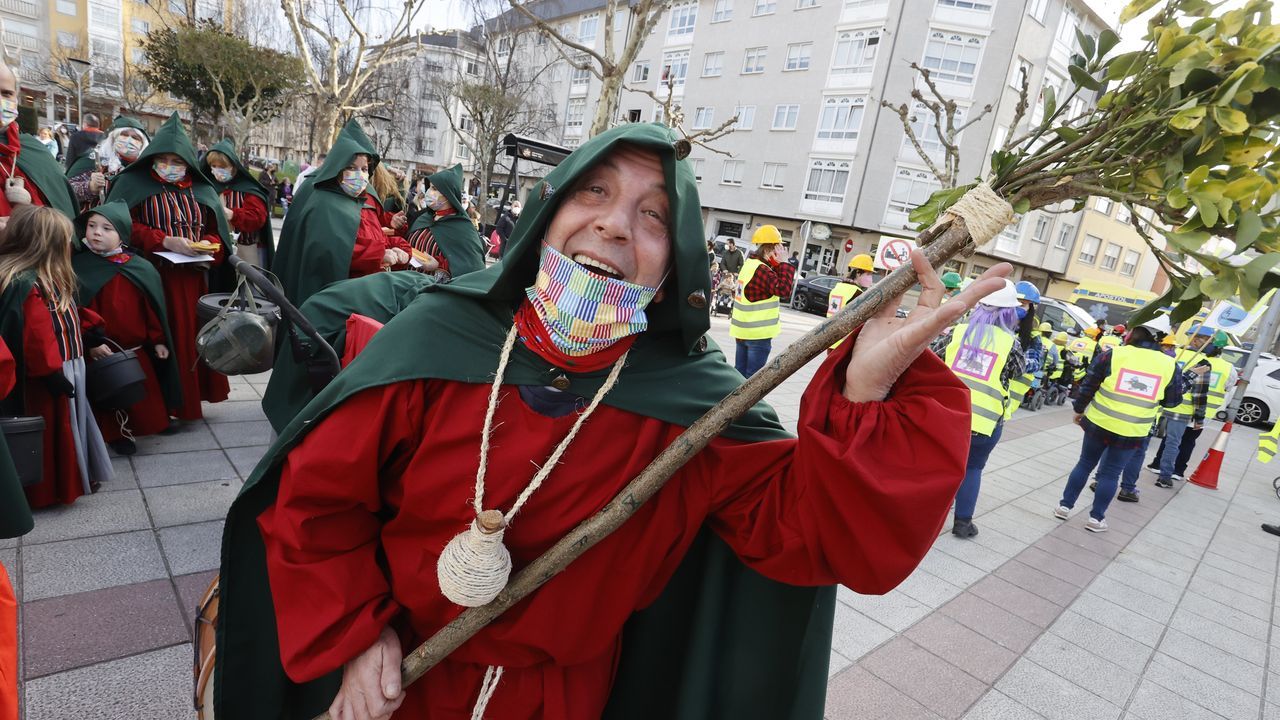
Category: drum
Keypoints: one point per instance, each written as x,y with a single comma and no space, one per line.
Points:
206,656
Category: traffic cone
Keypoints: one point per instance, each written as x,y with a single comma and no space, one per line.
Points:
1206,474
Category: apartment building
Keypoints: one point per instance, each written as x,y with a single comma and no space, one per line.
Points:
1109,250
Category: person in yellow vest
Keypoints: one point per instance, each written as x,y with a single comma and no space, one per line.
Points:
984,354
1267,442
1214,378
1034,349
1064,374
1116,407
764,279
861,274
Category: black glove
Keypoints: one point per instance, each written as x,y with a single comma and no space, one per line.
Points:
58,384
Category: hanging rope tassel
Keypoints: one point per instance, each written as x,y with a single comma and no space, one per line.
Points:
122,419
487,687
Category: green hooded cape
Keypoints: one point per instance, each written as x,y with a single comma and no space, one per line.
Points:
319,233
38,164
86,162
15,515
94,272
243,181
455,234
722,641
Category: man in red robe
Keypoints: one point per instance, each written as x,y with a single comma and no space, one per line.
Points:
605,275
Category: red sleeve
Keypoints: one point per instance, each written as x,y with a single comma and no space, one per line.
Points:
8,370
39,344
332,598
866,490
761,285
145,237
90,320
251,216
784,276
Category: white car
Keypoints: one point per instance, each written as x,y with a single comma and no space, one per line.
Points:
1261,403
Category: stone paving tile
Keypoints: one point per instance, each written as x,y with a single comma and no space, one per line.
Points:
956,572
859,694
194,436
71,566
836,665
241,411
192,502
1126,596
926,678
1259,590
1218,663
928,589
1155,567
1260,609
245,458
1086,558
1032,580
9,561
1143,547
1202,688
150,686
85,628
122,476
1204,629
191,589
243,434
244,392
97,514
993,539
962,647
1023,603
1142,581
1272,695
855,634
1242,564
192,548
976,555
995,705
1119,618
895,610
1071,662
1053,697
1101,640
1152,702
186,467
1226,615
1058,567
995,623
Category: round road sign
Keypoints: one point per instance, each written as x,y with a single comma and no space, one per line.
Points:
894,254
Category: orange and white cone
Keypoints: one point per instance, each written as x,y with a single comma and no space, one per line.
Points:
1206,474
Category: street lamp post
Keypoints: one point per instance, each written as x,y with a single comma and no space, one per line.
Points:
83,67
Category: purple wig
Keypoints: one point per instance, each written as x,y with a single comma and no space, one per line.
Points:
979,335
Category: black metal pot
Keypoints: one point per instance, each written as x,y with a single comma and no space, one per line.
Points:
117,381
25,438
210,305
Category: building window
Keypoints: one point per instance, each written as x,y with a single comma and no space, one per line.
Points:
587,27
579,76
68,40
504,45
863,4
746,117
765,7
1037,9
1103,205
683,18
1067,27
722,11
1123,215
1009,241
1065,236
855,52
465,124
697,164
911,188
828,180
753,60
953,56
841,118
1015,79
141,27
977,5
574,112
1044,225
785,117
712,64
925,124
1111,257
806,4
798,56
772,177
703,117
67,7
1130,265
1089,249
640,72
139,56
675,66
731,173
462,152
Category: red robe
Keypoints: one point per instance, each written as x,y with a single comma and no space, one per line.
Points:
10,148
43,353
371,242
131,321
8,601
858,499
248,215
183,287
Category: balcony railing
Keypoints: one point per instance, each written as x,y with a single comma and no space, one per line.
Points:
25,42
20,7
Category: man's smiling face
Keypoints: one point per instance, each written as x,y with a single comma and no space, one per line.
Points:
614,219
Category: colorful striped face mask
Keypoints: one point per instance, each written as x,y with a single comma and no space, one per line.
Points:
584,312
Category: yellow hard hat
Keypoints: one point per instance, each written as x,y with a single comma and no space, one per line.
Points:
766,235
861,262
1046,327
1092,332
1060,339
1169,340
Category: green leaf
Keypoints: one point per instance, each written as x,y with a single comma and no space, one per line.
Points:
1050,103
1232,121
1087,44
1022,206
1177,199
1126,64
1135,8
1189,118
1258,268
1107,40
1192,290
1221,286
1198,176
1082,78
1068,135
1248,228
1148,311
928,213
1207,206
1247,151
1185,310
1242,78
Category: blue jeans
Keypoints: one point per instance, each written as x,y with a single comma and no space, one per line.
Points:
1174,430
1129,477
980,447
752,355
1109,460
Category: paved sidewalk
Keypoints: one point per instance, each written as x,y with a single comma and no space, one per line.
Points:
1169,615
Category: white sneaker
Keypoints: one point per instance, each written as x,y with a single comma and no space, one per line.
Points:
1062,512
1096,525
1178,477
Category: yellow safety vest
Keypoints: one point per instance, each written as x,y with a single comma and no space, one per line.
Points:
754,320
1056,353
1083,347
1127,401
1185,410
981,371
1220,377
1267,444
1109,342
1020,386
841,294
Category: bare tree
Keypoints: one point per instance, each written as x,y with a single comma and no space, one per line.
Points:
673,116
340,55
946,124
64,73
134,93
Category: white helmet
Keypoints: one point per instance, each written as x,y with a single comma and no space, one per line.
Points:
1005,297
1159,323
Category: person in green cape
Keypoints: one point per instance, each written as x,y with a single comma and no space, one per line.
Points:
31,176
244,202
575,361
446,241
15,521
126,291
335,227
178,224
91,173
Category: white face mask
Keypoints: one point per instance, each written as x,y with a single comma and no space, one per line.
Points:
222,174
8,111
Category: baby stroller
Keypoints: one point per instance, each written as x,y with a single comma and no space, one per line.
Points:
726,287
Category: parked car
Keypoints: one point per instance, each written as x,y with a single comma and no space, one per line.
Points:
1064,316
1261,402
812,293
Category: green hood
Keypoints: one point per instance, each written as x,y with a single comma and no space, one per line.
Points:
38,164
319,232
88,162
124,121
449,184
244,182
116,212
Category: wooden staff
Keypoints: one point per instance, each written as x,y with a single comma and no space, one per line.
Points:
953,239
